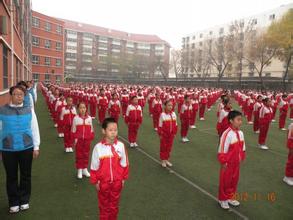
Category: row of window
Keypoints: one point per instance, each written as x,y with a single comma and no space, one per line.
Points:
48,78
48,26
36,41
47,61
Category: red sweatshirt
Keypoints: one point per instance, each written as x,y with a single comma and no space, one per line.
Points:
82,127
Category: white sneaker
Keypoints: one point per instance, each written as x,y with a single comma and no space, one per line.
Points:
288,180
55,125
14,209
201,119
283,129
71,150
233,202
187,140
66,150
263,147
135,144
183,140
164,165
224,204
168,163
209,109
291,119
156,129
93,117
86,173
79,174
132,145
250,122
257,132
273,120
60,135
24,207
192,126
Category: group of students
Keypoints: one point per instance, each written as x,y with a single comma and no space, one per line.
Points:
129,102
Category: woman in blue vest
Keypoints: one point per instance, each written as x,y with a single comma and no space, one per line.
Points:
19,144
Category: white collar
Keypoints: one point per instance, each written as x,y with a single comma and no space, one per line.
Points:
13,105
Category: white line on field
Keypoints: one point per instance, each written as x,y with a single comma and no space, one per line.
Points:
186,180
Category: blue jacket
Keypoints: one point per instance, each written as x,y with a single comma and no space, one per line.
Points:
31,91
15,128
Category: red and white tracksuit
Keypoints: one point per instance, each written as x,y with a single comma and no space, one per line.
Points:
83,133
219,108
151,98
265,118
66,118
157,109
283,113
289,164
231,152
141,101
102,103
167,131
185,117
223,122
114,109
133,118
202,105
124,103
109,168
256,107
58,108
195,106
93,104
180,101
249,109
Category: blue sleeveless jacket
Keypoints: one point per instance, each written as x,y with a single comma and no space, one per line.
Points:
27,100
15,128
31,91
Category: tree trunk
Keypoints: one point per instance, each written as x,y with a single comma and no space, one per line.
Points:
286,72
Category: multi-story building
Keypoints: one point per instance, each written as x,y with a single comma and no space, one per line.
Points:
15,44
47,48
93,52
196,41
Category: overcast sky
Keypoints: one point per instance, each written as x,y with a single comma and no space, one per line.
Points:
169,19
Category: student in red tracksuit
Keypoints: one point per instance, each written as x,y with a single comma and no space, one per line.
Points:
151,98
58,108
289,165
93,104
167,130
66,117
133,118
102,103
256,107
283,106
265,118
231,152
202,106
124,101
83,133
109,170
223,122
141,99
114,107
157,110
194,104
185,116
249,109
180,100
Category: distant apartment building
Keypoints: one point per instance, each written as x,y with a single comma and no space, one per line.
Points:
93,52
47,48
196,40
15,44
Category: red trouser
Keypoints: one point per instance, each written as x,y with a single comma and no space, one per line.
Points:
179,107
115,116
60,127
263,131
289,165
202,108
93,109
184,127
229,177
255,122
132,132
249,115
68,140
193,118
282,119
109,196
150,109
165,147
82,149
102,115
124,109
156,118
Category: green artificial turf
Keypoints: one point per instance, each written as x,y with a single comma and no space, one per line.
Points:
151,191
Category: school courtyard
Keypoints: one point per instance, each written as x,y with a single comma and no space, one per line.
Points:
187,191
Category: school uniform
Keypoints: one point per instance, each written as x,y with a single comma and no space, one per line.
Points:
185,116
66,118
133,118
157,110
114,109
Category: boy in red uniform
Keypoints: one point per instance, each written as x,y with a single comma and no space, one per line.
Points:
124,101
114,107
256,107
82,133
194,103
167,131
284,106
66,117
133,118
109,170
58,108
231,152
102,103
185,116
265,118
202,105
289,165
157,110
223,122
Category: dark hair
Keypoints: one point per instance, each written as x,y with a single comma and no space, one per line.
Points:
166,102
16,87
108,121
186,97
22,83
233,114
80,104
133,97
61,94
266,99
226,101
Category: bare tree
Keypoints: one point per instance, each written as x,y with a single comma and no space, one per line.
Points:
176,63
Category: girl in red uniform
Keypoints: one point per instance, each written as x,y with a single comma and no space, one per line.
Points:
58,108
157,110
289,165
102,103
114,107
133,118
124,101
109,170
83,133
256,107
167,131
284,106
265,118
231,152
185,116
194,103
223,122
